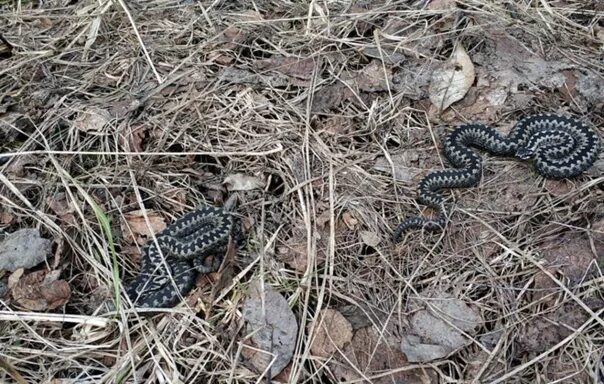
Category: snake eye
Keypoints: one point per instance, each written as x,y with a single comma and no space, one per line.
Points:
525,153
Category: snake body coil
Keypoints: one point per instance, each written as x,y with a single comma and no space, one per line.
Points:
185,245
559,146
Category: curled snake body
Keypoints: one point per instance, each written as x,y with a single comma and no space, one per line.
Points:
185,245
560,147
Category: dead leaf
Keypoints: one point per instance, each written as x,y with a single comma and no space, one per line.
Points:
243,76
597,170
332,332
323,219
350,221
389,56
8,123
570,254
370,238
40,291
272,329
290,66
284,375
559,187
468,238
337,125
294,253
135,228
92,120
6,217
14,277
590,86
131,138
17,165
545,331
372,353
440,5
330,97
566,369
417,351
476,364
483,101
241,182
430,336
401,166
413,79
24,248
361,26
62,208
452,80
374,77
229,40
511,64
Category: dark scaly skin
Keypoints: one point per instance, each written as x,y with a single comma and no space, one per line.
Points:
559,147
186,245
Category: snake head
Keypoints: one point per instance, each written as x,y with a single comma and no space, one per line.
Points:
525,153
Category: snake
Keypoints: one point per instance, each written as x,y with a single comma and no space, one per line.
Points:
185,244
558,146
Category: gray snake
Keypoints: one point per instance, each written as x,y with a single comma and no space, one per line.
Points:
185,244
559,147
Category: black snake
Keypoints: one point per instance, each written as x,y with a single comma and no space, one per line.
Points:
560,147
186,245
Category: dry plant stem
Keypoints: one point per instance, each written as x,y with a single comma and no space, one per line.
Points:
143,109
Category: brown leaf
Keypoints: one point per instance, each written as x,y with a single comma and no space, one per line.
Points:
451,82
63,208
131,137
6,217
559,187
284,375
516,190
374,77
332,332
323,219
17,166
289,66
330,97
483,101
350,221
135,226
294,252
566,369
337,125
40,291
471,238
372,353
545,331
92,120
570,255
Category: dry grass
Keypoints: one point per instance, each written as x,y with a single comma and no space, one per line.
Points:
188,104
